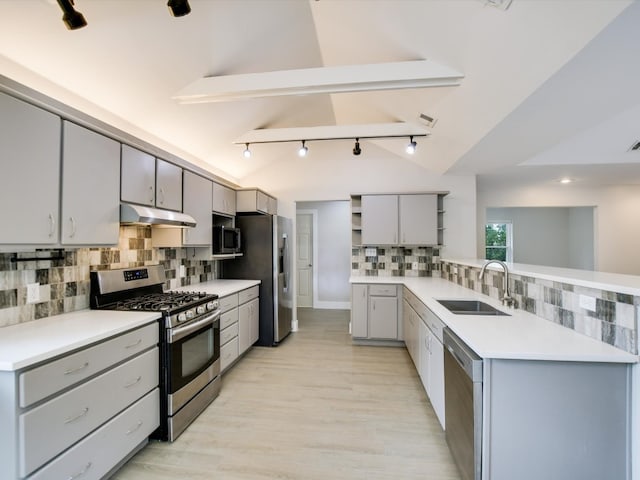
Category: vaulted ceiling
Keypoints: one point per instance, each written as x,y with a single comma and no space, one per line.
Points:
551,84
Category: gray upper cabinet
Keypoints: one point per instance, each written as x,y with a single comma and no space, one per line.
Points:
419,219
168,186
197,190
90,187
224,200
379,219
254,200
29,184
138,177
151,182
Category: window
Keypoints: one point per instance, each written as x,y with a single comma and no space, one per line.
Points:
498,241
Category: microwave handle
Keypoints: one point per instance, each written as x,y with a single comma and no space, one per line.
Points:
238,240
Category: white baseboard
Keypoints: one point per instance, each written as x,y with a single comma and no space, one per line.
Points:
332,305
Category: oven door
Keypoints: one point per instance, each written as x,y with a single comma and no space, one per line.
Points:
193,359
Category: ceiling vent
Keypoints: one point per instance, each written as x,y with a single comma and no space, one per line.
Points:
635,146
430,121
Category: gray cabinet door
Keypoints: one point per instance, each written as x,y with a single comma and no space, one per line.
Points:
244,327
30,181
90,186
379,219
138,177
224,199
168,186
383,318
197,192
359,311
419,219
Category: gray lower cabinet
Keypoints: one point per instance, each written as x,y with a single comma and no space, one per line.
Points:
375,312
29,184
239,324
90,187
80,415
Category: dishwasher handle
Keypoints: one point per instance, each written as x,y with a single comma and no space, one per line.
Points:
468,360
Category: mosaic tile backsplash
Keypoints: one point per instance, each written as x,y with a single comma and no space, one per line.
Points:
395,261
64,283
615,320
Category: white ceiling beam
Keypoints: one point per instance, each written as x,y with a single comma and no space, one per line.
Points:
333,132
347,78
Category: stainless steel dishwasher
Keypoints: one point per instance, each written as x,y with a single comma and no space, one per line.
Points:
463,405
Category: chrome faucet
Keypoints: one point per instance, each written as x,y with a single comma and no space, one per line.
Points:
507,299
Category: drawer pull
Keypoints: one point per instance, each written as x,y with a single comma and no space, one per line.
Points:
80,473
137,427
76,370
77,417
134,344
131,384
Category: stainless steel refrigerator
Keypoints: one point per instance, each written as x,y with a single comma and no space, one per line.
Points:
266,256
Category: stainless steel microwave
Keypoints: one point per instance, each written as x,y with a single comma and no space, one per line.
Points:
226,240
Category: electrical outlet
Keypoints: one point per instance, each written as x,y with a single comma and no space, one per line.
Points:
414,265
370,252
588,303
33,293
183,272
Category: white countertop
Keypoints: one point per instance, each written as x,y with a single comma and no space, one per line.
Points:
26,344
220,287
521,336
614,282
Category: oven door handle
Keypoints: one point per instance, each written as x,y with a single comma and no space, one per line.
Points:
177,333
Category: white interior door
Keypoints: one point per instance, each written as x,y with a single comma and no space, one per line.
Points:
304,260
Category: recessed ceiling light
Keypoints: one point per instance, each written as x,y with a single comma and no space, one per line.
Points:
566,180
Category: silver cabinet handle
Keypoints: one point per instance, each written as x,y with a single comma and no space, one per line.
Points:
374,304
135,344
77,417
162,196
137,427
52,224
73,227
77,369
131,384
81,472
151,198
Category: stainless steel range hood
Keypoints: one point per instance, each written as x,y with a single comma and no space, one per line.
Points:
139,215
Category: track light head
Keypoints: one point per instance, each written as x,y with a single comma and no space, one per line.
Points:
247,152
179,8
302,152
356,148
411,146
71,18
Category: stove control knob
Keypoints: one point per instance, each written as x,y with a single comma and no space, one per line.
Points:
182,317
201,309
212,305
190,314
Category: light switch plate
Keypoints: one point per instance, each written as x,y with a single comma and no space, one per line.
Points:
182,271
33,293
588,303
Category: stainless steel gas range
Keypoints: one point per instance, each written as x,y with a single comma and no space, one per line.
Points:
189,339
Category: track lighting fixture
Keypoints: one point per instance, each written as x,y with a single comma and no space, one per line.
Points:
356,148
71,18
179,8
411,146
247,152
302,152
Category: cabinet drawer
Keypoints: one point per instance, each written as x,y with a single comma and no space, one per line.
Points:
228,318
52,377
228,333
228,353
249,294
228,302
57,424
434,324
383,290
97,454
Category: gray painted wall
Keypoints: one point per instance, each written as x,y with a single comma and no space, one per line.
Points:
333,251
553,236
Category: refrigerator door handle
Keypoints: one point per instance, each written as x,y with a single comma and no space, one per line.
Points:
285,266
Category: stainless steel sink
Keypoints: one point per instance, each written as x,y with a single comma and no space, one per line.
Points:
470,307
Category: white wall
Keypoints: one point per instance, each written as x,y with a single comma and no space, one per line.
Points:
617,229
554,236
332,252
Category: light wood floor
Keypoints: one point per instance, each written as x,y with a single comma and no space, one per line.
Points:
316,407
